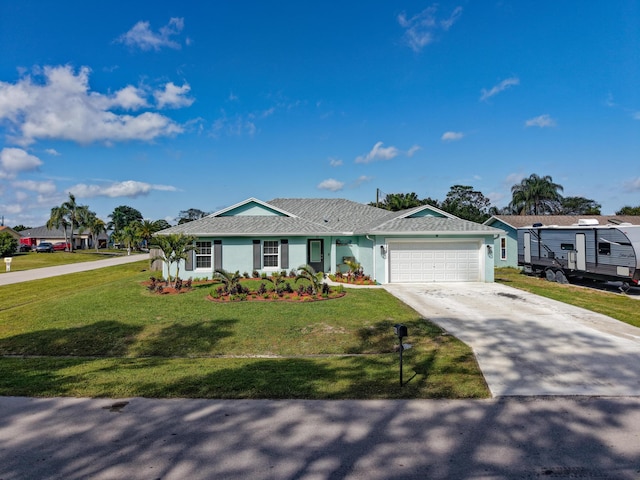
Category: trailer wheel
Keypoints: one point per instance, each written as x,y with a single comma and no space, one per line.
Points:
550,274
561,277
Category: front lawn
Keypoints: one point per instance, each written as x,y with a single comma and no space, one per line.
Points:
618,306
102,333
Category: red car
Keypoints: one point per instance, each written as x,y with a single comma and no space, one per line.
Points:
61,246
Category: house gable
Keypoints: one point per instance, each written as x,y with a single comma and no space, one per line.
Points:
428,211
251,207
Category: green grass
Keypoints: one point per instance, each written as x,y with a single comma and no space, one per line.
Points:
101,333
30,260
618,306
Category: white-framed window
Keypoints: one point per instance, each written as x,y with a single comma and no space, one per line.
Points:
203,254
270,251
503,248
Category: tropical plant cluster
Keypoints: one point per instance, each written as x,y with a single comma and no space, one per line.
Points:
305,285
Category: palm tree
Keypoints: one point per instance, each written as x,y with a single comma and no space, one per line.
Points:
173,248
97,227
58,219
230,280
130,236
535,195
306,272
147,228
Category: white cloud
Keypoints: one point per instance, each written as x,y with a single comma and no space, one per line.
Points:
362,179
331,184
53,152
513,179
421,29
173,96
452,136
236,126
15,160
142,37
633,185
503,85
46,187
128,188
541,121
413,150
636,116
378,152
335,162
62,107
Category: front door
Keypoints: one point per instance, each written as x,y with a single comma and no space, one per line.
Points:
315,254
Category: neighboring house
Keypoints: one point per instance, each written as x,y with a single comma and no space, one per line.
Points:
422,244
81,240
10,231
506,246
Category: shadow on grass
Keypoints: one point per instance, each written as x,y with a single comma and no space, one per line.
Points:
185,340
105,338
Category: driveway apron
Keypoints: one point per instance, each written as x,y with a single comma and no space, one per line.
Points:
529,345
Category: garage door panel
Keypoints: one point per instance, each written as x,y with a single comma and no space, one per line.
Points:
434,262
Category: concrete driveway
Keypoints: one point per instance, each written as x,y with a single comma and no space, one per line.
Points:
530,345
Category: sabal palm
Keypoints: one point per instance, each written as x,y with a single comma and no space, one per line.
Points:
535,195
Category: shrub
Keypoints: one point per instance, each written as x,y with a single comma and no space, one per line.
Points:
246,275
255,274
262,289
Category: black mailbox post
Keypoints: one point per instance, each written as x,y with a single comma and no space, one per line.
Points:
401,331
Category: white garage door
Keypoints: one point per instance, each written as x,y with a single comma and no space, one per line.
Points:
434,262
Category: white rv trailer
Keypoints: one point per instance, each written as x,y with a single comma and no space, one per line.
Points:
586,249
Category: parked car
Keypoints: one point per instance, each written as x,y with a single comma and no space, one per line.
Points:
44,247
61,246
24,248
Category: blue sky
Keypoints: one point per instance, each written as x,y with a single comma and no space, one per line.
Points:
166,106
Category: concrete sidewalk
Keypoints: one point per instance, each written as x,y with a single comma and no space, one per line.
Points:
46,272
509,438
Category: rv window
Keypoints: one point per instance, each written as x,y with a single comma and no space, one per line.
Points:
604,248
566,246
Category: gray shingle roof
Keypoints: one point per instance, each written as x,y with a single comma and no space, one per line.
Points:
322,216
430,224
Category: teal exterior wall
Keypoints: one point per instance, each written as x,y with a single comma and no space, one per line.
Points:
237,254
511,236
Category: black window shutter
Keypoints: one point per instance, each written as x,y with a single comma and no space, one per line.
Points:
257,255
284,254
217,254
188,263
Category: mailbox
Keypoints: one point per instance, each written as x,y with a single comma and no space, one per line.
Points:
400,330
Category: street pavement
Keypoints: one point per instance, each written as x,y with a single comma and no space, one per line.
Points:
9,278
504,438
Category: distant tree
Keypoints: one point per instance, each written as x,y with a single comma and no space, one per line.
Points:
628,210
161,225
536,195
58,219
72,216
96,226
466,203
20,228
186,216
399,201
578,206
123,216
8,244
